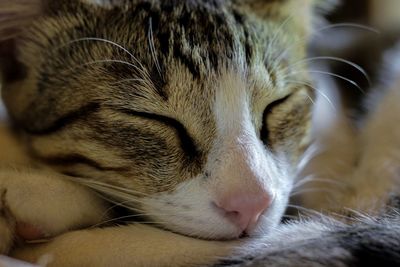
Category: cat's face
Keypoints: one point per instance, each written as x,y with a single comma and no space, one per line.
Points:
193,113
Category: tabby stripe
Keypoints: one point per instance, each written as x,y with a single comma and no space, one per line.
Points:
187,61
65,120
187,142
74,159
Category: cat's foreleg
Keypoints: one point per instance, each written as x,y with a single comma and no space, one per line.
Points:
324,178
39,204
357,170
131,245
321,242
377,175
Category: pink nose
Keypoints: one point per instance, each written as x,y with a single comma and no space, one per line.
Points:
244,209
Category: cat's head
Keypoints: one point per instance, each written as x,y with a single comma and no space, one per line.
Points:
192,112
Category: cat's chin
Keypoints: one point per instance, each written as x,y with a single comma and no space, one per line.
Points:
213,236
217,227
198,233
190,211
220,232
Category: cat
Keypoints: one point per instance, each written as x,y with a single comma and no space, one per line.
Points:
192,116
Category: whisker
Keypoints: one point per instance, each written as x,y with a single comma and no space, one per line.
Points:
93,182
110,61
317,90
303,181
310,190
112,220
333,75
311,152
340,77
152,48
349,25
130,198
312,178
279,30
306,210
105,41
116,219
310,98
337,59
317,32
115,204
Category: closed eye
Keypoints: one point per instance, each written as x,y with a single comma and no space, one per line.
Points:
267,111
187,143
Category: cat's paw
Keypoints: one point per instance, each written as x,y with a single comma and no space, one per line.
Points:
6,235
7,226
37,205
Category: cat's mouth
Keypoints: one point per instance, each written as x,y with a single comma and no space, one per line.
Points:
231,237
201,218
223,230
217,227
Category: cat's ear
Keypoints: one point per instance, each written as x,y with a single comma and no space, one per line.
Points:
280,7
301,14
17,14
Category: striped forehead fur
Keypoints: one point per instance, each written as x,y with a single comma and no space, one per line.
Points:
184,32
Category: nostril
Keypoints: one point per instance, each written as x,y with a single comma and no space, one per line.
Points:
243,209
232,215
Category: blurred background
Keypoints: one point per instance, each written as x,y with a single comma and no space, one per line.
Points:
367,33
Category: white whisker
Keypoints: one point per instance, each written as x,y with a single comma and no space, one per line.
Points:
279,30
317,90
105,41
338,76
311,152
97,183
337,59
110,61
333,75
349,25
152,48
310,190
309,211
317,32
312,178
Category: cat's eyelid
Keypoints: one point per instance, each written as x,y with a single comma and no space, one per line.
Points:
267,110
187,143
